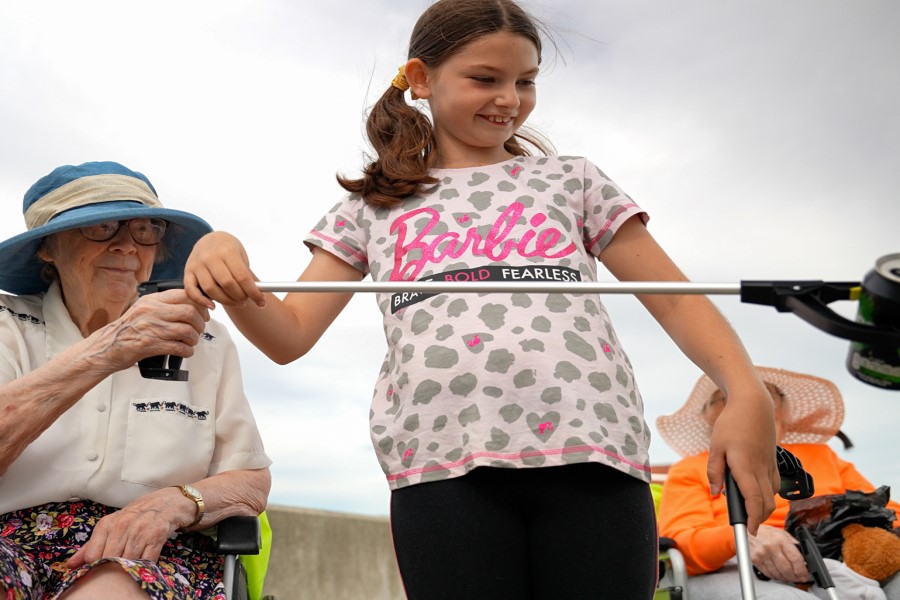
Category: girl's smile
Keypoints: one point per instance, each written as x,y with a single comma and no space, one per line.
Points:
478,97
498,120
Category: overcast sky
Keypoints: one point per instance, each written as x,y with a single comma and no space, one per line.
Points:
762,137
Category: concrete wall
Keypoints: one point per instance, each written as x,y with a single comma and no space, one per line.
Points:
320,555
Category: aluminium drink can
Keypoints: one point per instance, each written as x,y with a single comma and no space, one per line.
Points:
879,305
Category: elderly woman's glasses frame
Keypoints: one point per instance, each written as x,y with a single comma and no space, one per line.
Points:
146,232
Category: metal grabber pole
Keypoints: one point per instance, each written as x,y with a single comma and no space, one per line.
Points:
474,287
806,299
168,367
737,516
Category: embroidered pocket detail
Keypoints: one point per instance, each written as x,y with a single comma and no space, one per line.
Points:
167,442
172,407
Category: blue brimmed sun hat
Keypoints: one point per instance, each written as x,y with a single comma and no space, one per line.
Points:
74,196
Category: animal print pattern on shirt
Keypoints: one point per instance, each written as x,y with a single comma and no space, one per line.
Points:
511,380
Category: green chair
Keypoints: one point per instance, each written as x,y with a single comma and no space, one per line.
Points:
672,570
246,543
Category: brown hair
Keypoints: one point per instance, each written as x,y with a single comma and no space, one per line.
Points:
401,135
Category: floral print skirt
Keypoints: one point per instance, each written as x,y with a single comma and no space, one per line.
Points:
36,542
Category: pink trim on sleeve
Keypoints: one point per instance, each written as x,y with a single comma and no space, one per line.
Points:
609,223
339,244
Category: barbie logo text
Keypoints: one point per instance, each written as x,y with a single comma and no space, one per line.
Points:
496,245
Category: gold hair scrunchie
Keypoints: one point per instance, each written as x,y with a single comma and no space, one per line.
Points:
401,83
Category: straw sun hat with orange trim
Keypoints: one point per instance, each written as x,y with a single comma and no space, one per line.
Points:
813,412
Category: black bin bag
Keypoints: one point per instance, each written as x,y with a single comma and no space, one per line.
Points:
826,516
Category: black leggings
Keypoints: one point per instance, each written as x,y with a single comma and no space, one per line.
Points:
577,531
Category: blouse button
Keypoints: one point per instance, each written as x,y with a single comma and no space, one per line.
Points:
92,456
101,407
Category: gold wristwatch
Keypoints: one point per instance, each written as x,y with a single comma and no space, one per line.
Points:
193,493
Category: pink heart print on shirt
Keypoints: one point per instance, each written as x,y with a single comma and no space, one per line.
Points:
408,451
543,426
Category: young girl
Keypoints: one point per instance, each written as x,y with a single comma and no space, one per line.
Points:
509,426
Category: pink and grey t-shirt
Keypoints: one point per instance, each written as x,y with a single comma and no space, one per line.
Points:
499,379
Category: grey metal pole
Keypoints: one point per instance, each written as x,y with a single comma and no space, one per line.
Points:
473,287
745,564
228,575
737,516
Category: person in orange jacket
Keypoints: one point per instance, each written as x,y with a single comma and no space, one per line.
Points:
808,412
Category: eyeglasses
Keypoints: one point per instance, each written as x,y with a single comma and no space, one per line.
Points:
146,232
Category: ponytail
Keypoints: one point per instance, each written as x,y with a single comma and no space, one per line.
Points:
403,140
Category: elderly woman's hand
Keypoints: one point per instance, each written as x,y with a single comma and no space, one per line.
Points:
775,553
141,528
162,323
219,269
137,531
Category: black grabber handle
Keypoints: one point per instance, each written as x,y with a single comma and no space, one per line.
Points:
166,366
796,484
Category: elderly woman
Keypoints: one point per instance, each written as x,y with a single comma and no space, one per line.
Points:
809,411
106,478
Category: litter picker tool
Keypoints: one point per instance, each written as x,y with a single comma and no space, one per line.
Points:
875,350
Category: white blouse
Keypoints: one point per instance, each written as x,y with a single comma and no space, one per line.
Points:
128,435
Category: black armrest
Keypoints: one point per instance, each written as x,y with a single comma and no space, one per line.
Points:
238,535
666,543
